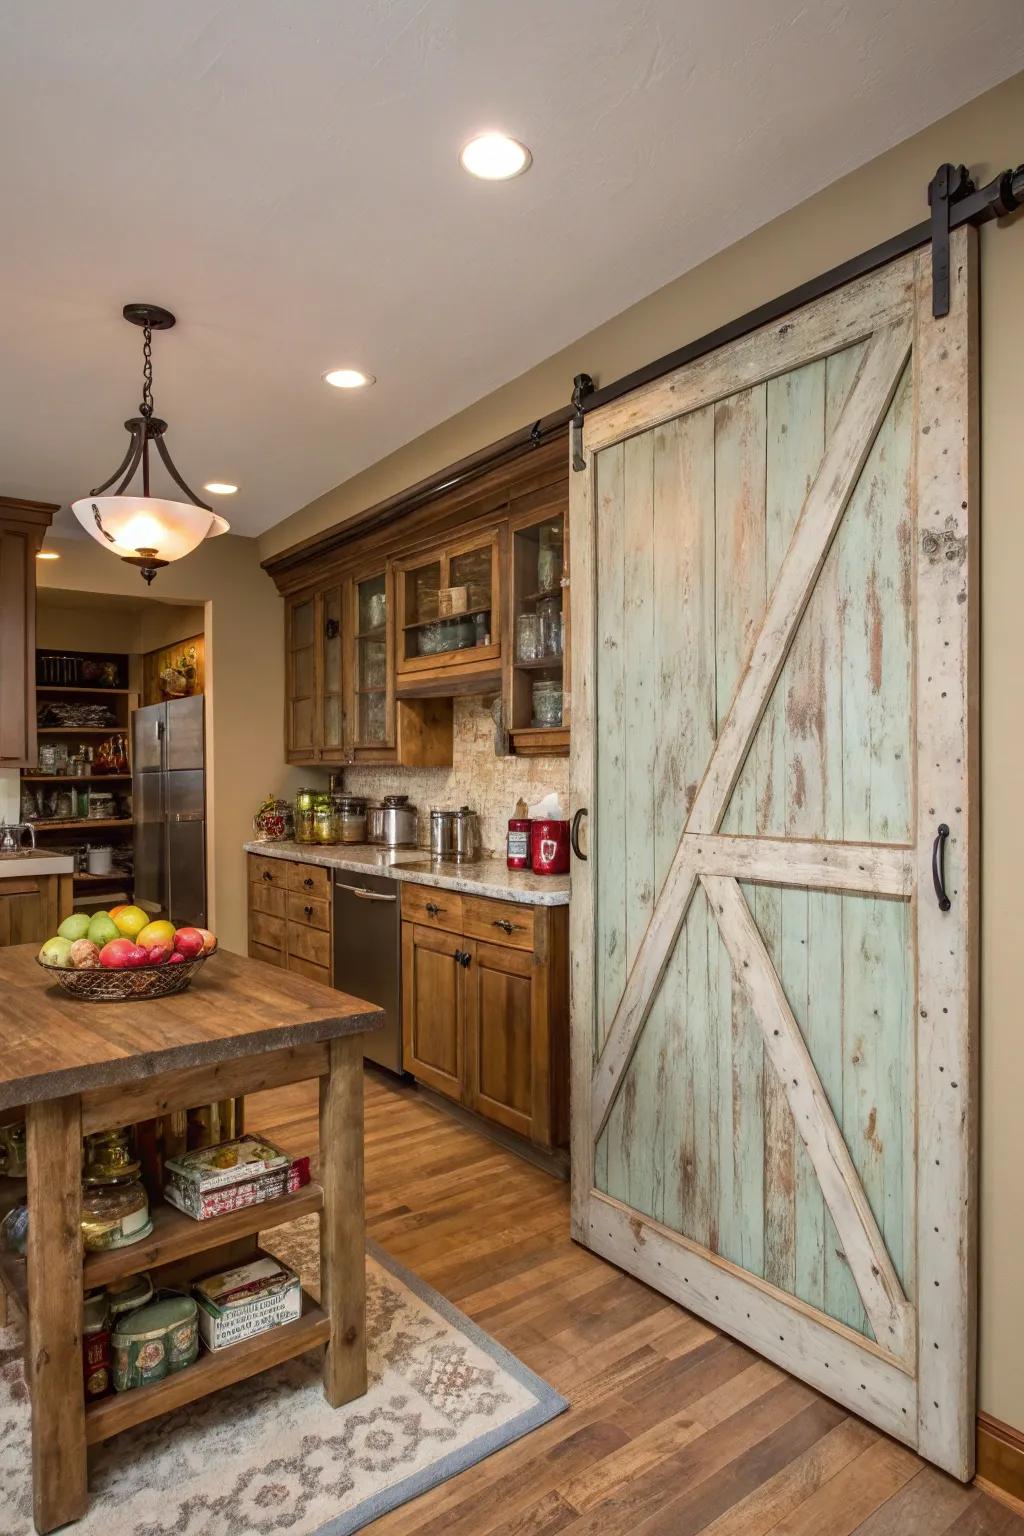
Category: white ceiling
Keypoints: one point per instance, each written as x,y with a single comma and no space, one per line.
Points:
283,174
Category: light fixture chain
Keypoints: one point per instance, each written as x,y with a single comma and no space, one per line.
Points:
146,408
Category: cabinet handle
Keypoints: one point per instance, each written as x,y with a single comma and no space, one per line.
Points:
433,909
308,882
574,833
267,875
464,960
458,957
308,911
938,868
504,924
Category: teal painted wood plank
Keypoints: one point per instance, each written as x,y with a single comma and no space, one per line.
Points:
641,1153
699,1194
741,595
609,842
796,440
683,665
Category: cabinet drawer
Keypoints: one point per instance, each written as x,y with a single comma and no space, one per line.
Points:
309,912
266,931
268,871
267,898
498,922
311,944
310,880
309,970
264,953
432,907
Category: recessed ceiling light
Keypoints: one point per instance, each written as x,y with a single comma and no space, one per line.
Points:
220,487
348,378
495,157
47,554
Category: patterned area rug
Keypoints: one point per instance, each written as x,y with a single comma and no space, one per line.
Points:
268,1455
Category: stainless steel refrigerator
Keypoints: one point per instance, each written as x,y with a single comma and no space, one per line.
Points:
169,806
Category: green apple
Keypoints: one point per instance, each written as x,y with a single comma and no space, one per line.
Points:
102,929
56,952
75,927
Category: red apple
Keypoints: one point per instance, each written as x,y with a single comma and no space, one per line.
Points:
189,942
176,959
114,955
158,954
209,940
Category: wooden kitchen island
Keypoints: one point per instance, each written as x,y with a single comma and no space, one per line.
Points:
75,1067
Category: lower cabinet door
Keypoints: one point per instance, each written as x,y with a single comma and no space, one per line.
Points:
432,988
23,914
505,1063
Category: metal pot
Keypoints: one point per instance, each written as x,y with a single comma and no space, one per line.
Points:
442,834
393,823
466,838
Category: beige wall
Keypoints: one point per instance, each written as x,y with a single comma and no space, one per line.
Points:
866,207
243,618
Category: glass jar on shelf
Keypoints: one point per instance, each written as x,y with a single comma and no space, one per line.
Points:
323,819
549,616
305,822
547,702
529,638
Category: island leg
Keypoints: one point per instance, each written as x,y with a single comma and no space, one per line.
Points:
343,1222
54,1357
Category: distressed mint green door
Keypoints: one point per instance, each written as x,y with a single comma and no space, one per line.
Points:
773,609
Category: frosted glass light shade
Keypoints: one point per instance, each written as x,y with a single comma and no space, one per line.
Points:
168,529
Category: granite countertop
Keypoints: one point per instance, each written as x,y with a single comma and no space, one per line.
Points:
34,861
52,1044
487,877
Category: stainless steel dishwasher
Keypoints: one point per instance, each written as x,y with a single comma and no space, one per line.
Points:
368,955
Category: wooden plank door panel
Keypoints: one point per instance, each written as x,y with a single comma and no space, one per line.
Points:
502,1056
432,1008
773,612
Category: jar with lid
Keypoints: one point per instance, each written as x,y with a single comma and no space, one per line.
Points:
349,818
323,818
529,637
115,1206
547,702
305,825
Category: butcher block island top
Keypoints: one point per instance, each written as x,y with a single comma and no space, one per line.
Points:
52,1044
72,1067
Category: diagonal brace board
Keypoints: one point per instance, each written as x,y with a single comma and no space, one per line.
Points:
890,1313
820,516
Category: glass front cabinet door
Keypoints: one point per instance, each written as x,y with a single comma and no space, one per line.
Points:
448,613
300,627
537,705
371,706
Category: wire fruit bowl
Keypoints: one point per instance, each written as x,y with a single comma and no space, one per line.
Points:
133,984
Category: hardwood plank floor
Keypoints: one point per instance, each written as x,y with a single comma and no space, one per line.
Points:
674,1429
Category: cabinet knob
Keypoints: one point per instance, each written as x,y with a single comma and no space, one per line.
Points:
433,909
308,882
267,875
308,911
504,924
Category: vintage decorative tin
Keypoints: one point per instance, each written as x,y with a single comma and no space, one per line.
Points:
155,1341
237,1303
127,1294
95,1346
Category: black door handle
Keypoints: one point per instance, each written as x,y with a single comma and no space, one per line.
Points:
462,958
574,833
938,867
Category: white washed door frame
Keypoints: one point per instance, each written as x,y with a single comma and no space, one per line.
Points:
917,1383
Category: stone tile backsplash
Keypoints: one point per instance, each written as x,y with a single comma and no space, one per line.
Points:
489,785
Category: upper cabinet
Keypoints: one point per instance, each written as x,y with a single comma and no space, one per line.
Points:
536,697
448,636
22,526
459,592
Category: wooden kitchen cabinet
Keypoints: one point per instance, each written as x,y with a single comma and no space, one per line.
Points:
438,653
537,619
291,916
32,907
485,1007
314,707
22,526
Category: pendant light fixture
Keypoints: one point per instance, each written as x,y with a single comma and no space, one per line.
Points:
147,531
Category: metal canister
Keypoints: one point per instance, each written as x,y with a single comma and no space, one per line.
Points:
468,844
155,1341
95,1346
442,834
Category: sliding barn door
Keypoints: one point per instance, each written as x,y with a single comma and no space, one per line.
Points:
773,690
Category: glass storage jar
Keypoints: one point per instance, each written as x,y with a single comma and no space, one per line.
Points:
529,642
114,1214
547,702
305,825
323,819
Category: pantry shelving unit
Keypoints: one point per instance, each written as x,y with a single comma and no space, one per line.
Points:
74,678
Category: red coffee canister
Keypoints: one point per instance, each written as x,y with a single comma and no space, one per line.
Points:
549,847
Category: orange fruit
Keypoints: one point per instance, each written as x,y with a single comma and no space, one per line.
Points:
159,932
130,921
